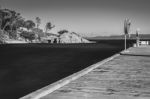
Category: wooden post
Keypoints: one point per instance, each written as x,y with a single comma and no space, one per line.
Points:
125,42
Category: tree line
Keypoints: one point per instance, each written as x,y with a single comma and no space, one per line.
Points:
11,22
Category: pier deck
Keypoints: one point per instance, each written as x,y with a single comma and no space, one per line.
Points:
127,76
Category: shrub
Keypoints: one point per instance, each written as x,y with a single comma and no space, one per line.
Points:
1,37
62,32
28,35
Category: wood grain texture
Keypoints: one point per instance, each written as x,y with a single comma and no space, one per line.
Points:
125,77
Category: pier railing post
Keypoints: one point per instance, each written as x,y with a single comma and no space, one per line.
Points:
125,42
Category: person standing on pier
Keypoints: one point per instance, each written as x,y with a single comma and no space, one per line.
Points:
137,37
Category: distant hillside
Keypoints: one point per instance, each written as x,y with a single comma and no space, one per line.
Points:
132,36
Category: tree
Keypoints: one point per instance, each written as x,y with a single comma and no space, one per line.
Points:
62,32
20,23
5,18
29,24
9,21
1,37
49,26
38,22
28,35
3,15
0,17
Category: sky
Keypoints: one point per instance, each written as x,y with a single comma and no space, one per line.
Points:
86,17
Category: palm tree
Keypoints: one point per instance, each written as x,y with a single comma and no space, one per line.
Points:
38,22
49,26
127,25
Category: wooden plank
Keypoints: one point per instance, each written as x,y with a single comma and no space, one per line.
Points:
124,77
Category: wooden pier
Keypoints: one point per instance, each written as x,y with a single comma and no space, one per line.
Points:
123,76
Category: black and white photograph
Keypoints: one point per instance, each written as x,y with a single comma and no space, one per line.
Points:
74,49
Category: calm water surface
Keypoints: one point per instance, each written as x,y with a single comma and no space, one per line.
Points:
27,67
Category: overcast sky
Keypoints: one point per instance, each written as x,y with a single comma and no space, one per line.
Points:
89,17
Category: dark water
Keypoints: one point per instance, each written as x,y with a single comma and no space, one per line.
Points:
27,67
116,42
